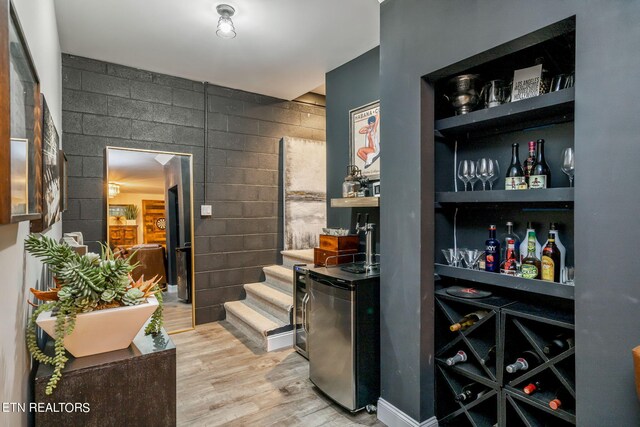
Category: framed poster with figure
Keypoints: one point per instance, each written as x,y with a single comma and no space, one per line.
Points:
364,139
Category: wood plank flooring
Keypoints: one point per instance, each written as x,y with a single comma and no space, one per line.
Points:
225,379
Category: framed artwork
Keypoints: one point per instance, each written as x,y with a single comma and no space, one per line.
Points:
51,181
20,124
364,139
64,181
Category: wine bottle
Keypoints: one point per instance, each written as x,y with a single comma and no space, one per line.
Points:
527,360
534,386
551,261
530,161
558,345
492,252
524,248
530,268
468,320
471,392
540,174
563,251
460,356
515,179
509,235
491,355
510,264
561,399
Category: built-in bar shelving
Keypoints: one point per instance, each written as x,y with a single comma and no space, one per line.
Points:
356,202
557,196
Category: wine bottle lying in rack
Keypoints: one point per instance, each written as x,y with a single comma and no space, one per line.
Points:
561,399
460,356
491,355
527,360
468,320
471,392
534,386
558,345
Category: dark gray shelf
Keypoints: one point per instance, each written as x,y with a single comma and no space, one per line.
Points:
562,196
550,108
501,280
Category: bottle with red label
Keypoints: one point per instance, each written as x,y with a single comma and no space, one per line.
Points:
530,161
492,252
510,264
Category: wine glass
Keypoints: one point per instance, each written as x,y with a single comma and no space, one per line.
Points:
482,171
473,176
463,172
568,163
496,173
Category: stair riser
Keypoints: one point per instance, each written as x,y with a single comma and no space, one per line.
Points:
247,330
289,262
280,282
274,310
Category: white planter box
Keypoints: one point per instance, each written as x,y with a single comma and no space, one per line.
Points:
102,330
131,222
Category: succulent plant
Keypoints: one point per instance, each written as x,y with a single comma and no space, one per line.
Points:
83,283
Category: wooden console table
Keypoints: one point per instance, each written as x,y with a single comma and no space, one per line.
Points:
131,387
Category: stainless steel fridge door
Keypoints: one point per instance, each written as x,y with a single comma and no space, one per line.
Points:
332,341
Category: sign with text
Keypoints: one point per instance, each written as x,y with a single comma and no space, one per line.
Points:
526,83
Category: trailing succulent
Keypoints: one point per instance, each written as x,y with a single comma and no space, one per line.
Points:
83,283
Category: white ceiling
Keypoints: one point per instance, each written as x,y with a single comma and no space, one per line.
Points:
136,172
283,47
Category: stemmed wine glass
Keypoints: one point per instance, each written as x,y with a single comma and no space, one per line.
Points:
495,172
568,164
482,171
473,176
463,172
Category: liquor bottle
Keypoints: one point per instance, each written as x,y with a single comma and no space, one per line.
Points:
471,392
534,386
540,174
460,356
558,345
561,399
510,263
491,355
551,261
524,248
468,320
509,235
492,252
530,161
515,179
563,251
530,268
527,360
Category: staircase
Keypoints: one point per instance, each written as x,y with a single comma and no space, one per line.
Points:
265,316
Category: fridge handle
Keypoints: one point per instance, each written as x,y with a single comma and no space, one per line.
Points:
305,300
329,283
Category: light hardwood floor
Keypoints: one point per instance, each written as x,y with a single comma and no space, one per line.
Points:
225,379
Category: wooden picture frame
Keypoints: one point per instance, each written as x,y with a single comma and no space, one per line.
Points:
20,121
64,182
364,139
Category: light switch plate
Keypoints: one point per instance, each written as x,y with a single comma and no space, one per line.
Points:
205,210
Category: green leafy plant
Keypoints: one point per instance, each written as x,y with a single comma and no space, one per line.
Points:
131,212
83,283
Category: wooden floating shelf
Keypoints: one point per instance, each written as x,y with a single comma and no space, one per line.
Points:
510,282
356,202
544,196
550,108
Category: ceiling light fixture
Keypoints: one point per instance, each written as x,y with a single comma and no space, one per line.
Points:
163,159
226,30
114,190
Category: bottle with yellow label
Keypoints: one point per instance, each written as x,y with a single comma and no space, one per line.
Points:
551,260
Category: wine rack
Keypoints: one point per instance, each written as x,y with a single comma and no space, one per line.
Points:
512,327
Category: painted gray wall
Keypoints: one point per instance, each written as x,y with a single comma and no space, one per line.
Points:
111,105
419,37
349,86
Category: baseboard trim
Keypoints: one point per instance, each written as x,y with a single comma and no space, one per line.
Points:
394,417
280,341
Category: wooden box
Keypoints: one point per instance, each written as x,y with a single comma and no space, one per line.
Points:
339,243
341,257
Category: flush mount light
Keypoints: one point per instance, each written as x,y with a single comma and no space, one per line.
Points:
226,30
163,159
114,190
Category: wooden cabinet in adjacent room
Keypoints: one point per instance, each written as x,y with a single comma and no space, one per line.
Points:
123,235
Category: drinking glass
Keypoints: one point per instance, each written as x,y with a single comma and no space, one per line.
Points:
568,164
471,257
482,171
496,173
449,255
463,172
473,176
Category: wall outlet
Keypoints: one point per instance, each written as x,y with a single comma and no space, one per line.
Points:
205,210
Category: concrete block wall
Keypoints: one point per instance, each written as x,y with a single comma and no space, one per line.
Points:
107,104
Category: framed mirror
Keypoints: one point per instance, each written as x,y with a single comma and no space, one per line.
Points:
149,213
